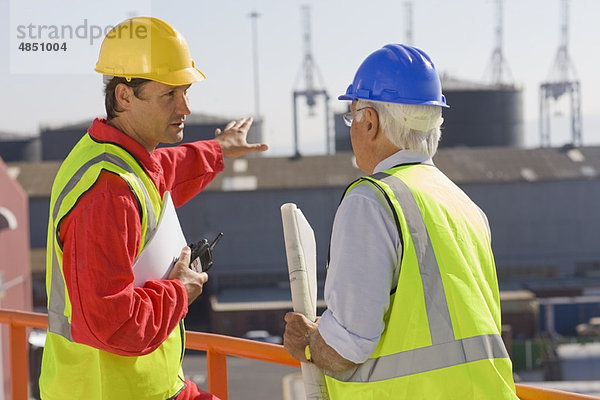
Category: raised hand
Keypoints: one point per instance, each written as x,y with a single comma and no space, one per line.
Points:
233,139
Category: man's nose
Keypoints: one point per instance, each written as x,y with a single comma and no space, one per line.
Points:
183,105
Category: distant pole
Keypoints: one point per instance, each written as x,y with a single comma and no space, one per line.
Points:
254,16
408,7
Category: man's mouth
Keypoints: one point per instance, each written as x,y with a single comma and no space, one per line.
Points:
179,124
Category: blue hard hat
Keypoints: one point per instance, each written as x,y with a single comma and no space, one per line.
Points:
397,73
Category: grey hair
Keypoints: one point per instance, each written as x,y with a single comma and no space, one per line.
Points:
410,127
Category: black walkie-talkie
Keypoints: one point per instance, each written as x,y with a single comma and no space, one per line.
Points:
203,251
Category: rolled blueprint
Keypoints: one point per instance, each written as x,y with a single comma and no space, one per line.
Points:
301,253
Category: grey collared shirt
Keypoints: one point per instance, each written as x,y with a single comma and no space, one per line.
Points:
364,259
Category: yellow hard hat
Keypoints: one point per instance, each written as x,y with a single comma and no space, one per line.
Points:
148,48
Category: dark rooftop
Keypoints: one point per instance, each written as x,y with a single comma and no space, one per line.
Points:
462,165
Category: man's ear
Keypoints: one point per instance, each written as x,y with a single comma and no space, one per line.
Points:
372,120
123,96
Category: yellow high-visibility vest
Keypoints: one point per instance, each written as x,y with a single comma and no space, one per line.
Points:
442,329
72,370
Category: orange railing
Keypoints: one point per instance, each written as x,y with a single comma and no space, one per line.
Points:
217,348
534,393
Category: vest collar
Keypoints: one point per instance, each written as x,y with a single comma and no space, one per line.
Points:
402,157
103,132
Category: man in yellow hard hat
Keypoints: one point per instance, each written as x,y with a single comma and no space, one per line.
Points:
108,338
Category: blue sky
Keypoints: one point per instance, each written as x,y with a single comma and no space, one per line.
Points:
58,88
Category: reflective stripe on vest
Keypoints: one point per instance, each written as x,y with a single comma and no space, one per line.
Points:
445,350
58,322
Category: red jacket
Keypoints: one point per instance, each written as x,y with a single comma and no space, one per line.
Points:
101,237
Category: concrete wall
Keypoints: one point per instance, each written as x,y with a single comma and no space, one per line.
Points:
38,223
554,224
251,222
551,225
533,223
28,149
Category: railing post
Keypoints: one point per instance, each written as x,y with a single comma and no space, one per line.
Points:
19,371
217,373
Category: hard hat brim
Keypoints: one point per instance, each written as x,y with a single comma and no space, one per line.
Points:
399,101
346,97
185,76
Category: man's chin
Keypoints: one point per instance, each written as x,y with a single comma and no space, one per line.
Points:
175,134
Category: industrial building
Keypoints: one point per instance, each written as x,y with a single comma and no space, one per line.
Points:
56,143
542,205
15,273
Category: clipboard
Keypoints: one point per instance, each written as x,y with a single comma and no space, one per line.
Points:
164,247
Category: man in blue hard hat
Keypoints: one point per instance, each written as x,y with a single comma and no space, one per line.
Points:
413,309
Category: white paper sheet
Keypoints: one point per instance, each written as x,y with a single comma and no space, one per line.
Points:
158,257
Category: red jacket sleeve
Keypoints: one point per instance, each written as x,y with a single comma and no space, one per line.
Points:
101,237
188,168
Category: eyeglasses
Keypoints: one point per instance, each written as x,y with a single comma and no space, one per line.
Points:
348,118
